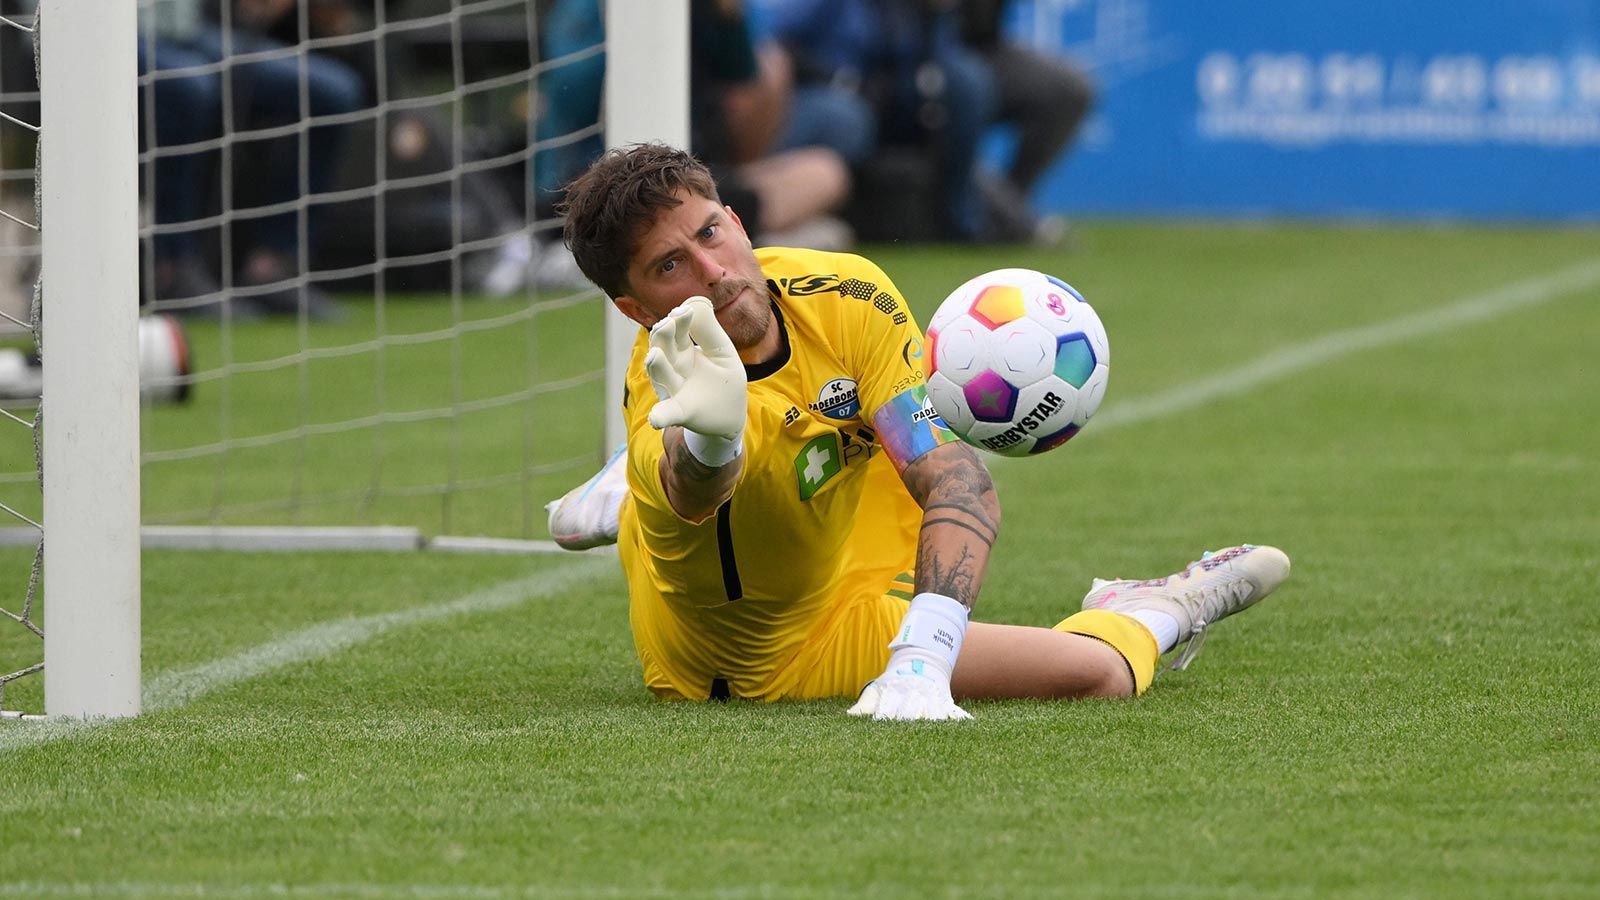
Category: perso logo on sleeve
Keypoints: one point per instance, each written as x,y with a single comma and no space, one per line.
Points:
838,399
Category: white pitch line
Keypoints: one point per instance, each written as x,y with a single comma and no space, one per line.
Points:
169,690
376,891
365,890
1287,360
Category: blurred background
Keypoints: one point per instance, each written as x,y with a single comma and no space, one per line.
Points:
829,122
349,226
1471,110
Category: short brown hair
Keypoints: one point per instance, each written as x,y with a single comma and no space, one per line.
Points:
617,199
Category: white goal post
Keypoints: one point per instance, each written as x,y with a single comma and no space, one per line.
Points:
89,307
647,99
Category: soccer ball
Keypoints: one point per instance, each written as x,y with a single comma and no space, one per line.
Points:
1017,361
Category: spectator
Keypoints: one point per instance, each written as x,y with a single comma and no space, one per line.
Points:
570,92
265,92
815,112
739,96
904,60
1046,98
187,109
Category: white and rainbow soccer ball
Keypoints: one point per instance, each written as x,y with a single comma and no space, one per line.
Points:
1017,361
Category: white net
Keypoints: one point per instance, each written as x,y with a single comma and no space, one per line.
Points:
356,308
21,506
381,327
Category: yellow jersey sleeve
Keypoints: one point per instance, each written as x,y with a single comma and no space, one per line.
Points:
883,345
880,340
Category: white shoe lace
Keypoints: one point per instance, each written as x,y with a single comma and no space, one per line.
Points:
1206,605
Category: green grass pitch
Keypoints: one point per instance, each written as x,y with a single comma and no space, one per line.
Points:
1414,714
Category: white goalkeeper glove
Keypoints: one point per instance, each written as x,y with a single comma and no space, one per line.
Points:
699,380
916,683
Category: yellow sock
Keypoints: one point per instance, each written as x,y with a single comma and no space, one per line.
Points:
1125,635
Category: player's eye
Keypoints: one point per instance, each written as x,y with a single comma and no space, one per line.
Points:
668,266
708,232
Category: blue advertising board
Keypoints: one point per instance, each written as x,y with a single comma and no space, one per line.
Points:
1475,109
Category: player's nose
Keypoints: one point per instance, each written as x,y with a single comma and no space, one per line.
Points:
711,271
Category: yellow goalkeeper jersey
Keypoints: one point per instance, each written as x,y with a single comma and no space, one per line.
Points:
819,520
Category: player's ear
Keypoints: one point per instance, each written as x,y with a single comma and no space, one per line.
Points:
634,310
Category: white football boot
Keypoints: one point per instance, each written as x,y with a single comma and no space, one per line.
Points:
586,516
1213,587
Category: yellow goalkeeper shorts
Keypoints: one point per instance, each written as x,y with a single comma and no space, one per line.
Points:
841,660
847,650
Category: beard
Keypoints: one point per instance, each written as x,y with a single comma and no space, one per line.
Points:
748,318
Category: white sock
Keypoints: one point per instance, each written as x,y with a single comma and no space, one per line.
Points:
1163,626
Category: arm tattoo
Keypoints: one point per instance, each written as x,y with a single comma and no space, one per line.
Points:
986,537
960,515
683,463
694,489
956,579
960,521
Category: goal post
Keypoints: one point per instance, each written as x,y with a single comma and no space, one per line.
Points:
646,99
89,308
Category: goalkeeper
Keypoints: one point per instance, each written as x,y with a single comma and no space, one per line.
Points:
785,486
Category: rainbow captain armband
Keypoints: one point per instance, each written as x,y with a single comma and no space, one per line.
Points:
908,427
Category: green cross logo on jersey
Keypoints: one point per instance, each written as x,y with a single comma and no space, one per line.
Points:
818,461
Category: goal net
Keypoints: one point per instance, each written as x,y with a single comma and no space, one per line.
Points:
23,641
358,325
370,280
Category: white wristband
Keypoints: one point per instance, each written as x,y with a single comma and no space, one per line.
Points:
935,624
714,450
